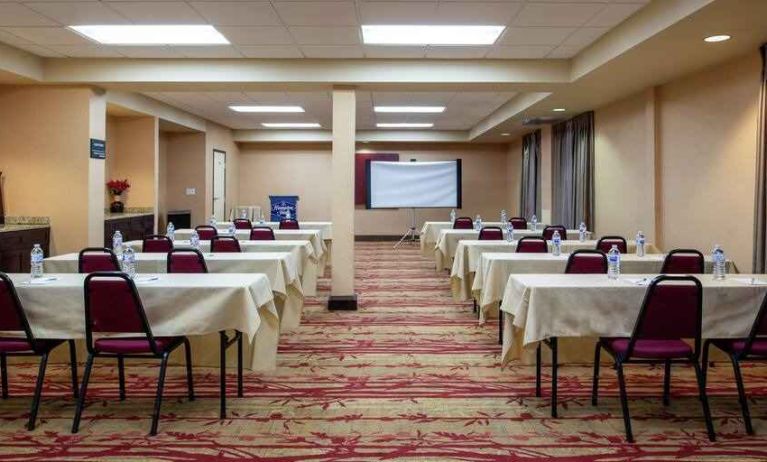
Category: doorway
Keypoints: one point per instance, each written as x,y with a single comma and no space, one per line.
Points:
219,184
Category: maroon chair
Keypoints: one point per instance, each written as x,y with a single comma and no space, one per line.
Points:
518,222
607,242
752,348
548,232
262,233
491,233
225,244
206,232
113,306
186,261
683,261
463,223
242,223
157,243
94,259
672,310
13,319
289,223
532,244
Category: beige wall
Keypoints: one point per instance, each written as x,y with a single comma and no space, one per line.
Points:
184,168
132,153
220,138
514,177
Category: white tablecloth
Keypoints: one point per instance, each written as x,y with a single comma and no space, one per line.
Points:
325,227
281,268
175,304
537,307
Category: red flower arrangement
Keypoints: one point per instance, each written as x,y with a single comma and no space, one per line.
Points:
117,187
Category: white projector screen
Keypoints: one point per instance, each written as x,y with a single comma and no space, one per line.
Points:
413,184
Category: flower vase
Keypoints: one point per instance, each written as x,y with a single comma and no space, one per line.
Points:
116,206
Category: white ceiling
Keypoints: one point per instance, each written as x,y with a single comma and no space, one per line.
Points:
315,28
463,109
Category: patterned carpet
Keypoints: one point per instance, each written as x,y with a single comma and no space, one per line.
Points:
410,376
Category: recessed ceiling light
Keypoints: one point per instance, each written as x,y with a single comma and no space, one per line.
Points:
717,38
413,109
290,125
505,134
267,108
405,125
431,35
153,34
559,109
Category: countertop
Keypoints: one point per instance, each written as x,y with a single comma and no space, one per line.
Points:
10,228
118,216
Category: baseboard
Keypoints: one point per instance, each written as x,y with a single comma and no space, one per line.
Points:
342,303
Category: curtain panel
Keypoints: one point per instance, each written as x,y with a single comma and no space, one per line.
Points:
760,218
530,198
573,171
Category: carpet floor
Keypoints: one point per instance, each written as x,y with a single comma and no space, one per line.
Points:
409,376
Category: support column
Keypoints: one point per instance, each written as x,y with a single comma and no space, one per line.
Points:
342,296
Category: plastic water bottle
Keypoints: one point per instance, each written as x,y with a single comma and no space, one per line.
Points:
194,240
212,221
452,216
261,217
36,261
614,263
640,242
556,244
509,232
582,232
504,216
129,262
287,214
232,229
720,262
477,223
170,231
244,214
534,223
117,243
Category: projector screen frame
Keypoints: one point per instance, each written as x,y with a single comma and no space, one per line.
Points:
459,188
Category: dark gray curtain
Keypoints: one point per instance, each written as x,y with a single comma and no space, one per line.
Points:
760,219
530,199
572,151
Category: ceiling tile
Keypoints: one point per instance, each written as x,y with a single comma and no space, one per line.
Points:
15,14
216,51
238,13
564,52
535,35
614,14
49,35
78,13
313,35
332,51
275,52
556,15
257,35
585,36
317,13
414,12
398,98
86,51
448,52
486,13
158,12
394,52
519,52
147,51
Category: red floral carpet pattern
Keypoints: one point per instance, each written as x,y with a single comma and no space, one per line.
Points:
410,376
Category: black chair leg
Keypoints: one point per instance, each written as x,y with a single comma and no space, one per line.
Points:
666,382
704,402
121,376
742,396
73,366
83,390
240,392
554,374
538,370
222,374
38,392
4,375
704,360
624,403
158,398
595,377
189,377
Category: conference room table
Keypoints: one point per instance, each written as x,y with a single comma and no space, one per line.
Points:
196,305
448,240
310,265
468,253
431,229
281,268
582,307
325,227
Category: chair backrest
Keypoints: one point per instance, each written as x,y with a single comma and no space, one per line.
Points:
12,317
586,261
463,223
683,261
532,244
672,309
157,243
548,232
224,244
261,233
186,261
758,329
289,223
607,242
518,222
112,305
491,233
206,232
94,259
242,223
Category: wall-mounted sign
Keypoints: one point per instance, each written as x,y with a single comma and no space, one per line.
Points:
98,149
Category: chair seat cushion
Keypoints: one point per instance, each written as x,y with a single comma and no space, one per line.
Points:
11,344
649,349
735,346
128,345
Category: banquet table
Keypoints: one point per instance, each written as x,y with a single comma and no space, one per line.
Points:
281,268
431,229
449,239
325,227
577,306
197,305
309,267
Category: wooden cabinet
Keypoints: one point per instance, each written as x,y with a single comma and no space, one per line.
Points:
15,247
132,228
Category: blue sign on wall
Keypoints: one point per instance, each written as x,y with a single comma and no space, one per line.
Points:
284,207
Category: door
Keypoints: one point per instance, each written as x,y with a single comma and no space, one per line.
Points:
219,184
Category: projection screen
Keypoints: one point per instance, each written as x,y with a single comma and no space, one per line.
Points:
414,184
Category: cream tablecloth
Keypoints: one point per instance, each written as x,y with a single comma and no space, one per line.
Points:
281,268
537,307
325,227
175,304
431,229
